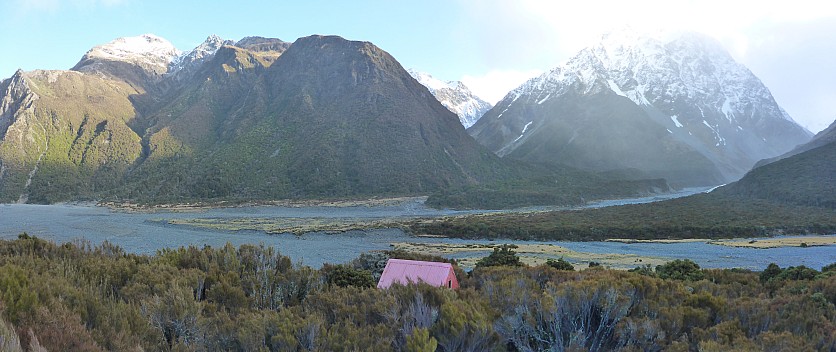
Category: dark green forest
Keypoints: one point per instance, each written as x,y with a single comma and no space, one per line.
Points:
79,297
698,216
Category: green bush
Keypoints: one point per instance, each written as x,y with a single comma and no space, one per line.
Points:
680,269
501,256
770,272
344,276
797,273
645,270
560,264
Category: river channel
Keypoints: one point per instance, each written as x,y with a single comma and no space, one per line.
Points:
145,233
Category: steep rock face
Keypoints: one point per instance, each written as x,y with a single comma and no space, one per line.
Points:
17,98
455,96
710,118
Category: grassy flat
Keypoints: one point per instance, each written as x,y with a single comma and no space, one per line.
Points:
468,254
794,241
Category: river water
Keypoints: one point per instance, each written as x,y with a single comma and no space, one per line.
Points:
145,233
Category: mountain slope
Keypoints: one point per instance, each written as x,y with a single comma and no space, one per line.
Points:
64,134
805,177
455,96
329,117
675,106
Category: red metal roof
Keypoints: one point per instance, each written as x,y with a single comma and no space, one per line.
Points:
406,271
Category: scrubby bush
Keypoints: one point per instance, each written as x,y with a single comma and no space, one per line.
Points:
501,256
560,264
344,276
251,298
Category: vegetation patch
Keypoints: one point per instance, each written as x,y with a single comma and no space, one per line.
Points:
699,216
79,297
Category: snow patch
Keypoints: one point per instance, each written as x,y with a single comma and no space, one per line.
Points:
523,131
429,81
669,131
616,89
727,110
638,97
147,48
503,111
544,99
676,121
720,140
526,126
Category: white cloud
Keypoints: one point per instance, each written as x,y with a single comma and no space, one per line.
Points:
515,36
564,27
493,85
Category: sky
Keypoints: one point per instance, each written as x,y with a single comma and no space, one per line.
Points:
493,46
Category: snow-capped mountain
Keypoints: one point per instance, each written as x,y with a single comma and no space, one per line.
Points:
147,59
455,96
184,64
148,51
673,105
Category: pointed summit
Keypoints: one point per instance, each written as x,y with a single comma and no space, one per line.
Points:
190,61
672,104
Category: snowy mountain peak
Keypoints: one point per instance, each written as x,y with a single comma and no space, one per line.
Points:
657,68
198,55
455,96
147,49
684,83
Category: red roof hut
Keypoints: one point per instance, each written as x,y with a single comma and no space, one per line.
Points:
411,271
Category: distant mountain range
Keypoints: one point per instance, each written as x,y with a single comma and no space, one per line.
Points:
261,118
670,105
324,117
456,96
